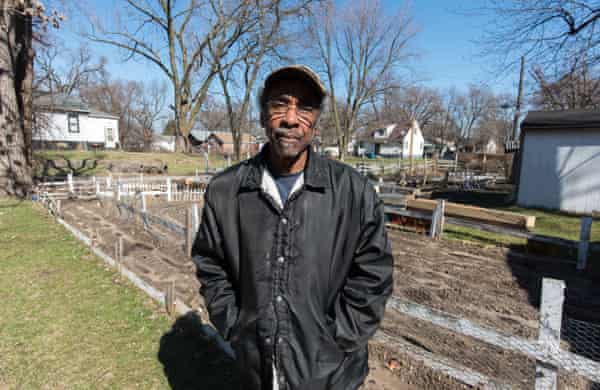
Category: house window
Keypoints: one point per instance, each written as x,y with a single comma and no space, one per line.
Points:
73,122
110,135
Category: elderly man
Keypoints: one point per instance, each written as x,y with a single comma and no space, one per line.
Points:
292,252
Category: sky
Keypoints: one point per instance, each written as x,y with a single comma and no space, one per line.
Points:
445,40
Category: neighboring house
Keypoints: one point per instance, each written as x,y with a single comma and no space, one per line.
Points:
560,161
393,141
163,143
68,122
444,149
222,142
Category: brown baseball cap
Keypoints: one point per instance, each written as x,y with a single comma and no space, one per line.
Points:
299,71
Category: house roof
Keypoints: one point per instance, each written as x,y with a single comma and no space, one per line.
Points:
561,120
59,102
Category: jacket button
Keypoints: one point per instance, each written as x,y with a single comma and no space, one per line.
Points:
279,298
268,340
281,259
280,340
284,221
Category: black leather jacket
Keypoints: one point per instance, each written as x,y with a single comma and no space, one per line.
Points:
303,287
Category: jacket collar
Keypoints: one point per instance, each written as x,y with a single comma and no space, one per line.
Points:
315,172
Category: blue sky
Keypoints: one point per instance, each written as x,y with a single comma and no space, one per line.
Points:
448,54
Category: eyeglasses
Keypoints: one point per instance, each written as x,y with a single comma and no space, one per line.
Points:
281,107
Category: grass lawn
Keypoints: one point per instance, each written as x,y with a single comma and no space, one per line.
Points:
178,163
66,321
547,223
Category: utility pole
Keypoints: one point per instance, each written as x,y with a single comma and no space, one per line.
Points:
519,100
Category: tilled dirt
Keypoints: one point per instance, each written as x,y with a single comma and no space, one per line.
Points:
494,287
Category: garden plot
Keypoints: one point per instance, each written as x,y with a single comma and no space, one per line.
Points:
493,287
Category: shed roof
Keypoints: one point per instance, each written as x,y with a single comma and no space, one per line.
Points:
561,120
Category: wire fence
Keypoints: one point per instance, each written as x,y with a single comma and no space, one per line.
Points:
501,360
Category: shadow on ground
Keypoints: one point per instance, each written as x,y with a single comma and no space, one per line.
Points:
194,358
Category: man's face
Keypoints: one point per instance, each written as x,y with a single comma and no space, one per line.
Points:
289,117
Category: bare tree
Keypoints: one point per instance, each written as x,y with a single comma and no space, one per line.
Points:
360,47
546,31
59,70
262,42
149,110
470,108
577,88
17,21
187,42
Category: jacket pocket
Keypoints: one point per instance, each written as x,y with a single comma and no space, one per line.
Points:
329,351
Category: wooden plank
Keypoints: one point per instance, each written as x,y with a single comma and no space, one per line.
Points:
476,213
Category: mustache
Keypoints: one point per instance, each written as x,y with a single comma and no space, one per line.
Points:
285,132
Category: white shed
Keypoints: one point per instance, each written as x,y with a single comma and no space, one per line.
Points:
68,121
560,161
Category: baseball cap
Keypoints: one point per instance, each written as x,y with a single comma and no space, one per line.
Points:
301,71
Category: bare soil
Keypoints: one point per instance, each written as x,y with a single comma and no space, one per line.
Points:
495,287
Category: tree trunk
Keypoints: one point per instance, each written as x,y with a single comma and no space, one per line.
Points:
16,65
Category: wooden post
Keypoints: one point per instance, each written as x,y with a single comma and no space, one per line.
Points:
455,161
188,232
170,298
584,242
168,189
70,182
119,254
58,209
144,210
551,308
437,222
195,217
410,148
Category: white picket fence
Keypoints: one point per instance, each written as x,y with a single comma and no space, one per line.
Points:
174,188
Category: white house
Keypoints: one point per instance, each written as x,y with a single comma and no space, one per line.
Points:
393,141
560,161
67,122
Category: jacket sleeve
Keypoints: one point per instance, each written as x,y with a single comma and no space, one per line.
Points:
213,273
360,306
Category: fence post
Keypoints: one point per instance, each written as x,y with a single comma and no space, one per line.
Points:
168,189
58,210
584,242
97,189
170,298
188,232
70,182
437,222
118,192
195,217
551,308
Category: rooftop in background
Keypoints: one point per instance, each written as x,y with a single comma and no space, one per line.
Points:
561,120
60,102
